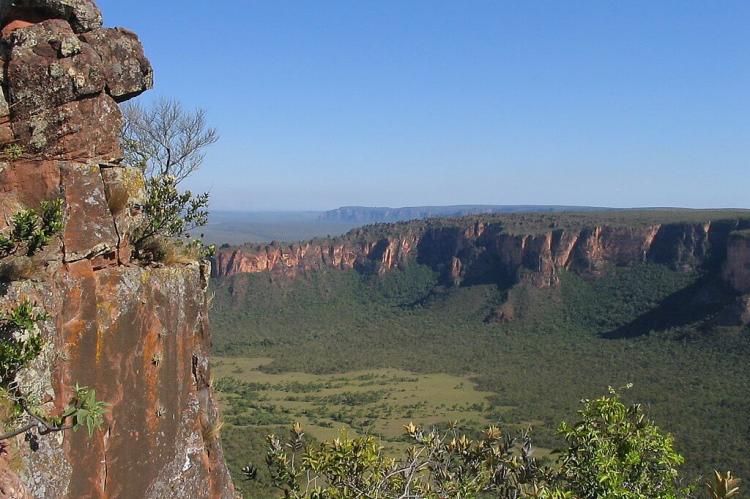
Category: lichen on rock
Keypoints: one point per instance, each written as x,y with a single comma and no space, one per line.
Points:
63,77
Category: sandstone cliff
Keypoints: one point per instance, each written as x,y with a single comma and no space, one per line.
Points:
737,274
737,268
502,249
138,335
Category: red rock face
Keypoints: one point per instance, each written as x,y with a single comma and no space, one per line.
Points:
11,486
468,252
138,335
63,86
292,260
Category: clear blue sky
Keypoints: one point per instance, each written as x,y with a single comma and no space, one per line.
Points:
322,103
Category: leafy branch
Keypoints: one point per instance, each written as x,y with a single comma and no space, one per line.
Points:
83,411
169,212
20,343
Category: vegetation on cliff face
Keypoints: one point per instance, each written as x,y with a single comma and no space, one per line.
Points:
31,230
137,334
21,340
21,343
167,143
647,324
170,215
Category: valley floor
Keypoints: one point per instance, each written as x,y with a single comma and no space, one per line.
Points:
369,354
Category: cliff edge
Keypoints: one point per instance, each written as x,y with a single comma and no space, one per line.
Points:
506,248
138,335
530,248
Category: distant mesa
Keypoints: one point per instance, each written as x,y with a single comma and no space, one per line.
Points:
535,248
367,214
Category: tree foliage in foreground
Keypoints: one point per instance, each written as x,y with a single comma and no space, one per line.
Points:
613,452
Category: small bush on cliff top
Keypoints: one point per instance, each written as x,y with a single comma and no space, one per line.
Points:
169,212
167,143
172,251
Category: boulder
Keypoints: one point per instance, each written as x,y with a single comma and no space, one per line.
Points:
49,67
128,72
66,132
63,89
83,15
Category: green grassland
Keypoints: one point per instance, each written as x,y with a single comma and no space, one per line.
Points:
372,402
332,331
379,401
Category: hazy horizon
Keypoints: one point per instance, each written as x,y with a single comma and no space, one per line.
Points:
388,103
323,210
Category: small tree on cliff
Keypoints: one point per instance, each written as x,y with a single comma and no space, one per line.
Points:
168,143
165,140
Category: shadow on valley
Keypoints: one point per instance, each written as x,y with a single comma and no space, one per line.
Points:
697,303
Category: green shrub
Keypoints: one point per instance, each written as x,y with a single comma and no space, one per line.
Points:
20,341
615,451
13,152
84,411
170,214
31,230
440,464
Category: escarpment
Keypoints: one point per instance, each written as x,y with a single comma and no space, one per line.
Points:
138,335
476,249
737,267
737,274
533,249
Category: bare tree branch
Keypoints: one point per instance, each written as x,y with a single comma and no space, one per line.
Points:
165,139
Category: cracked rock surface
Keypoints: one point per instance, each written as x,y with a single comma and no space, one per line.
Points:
110,316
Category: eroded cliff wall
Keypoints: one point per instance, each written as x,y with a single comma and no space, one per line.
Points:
467,250
137,334
737,267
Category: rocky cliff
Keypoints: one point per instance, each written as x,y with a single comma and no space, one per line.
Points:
137,334
737,268
507,248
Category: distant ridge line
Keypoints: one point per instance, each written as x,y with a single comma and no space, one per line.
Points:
378,214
